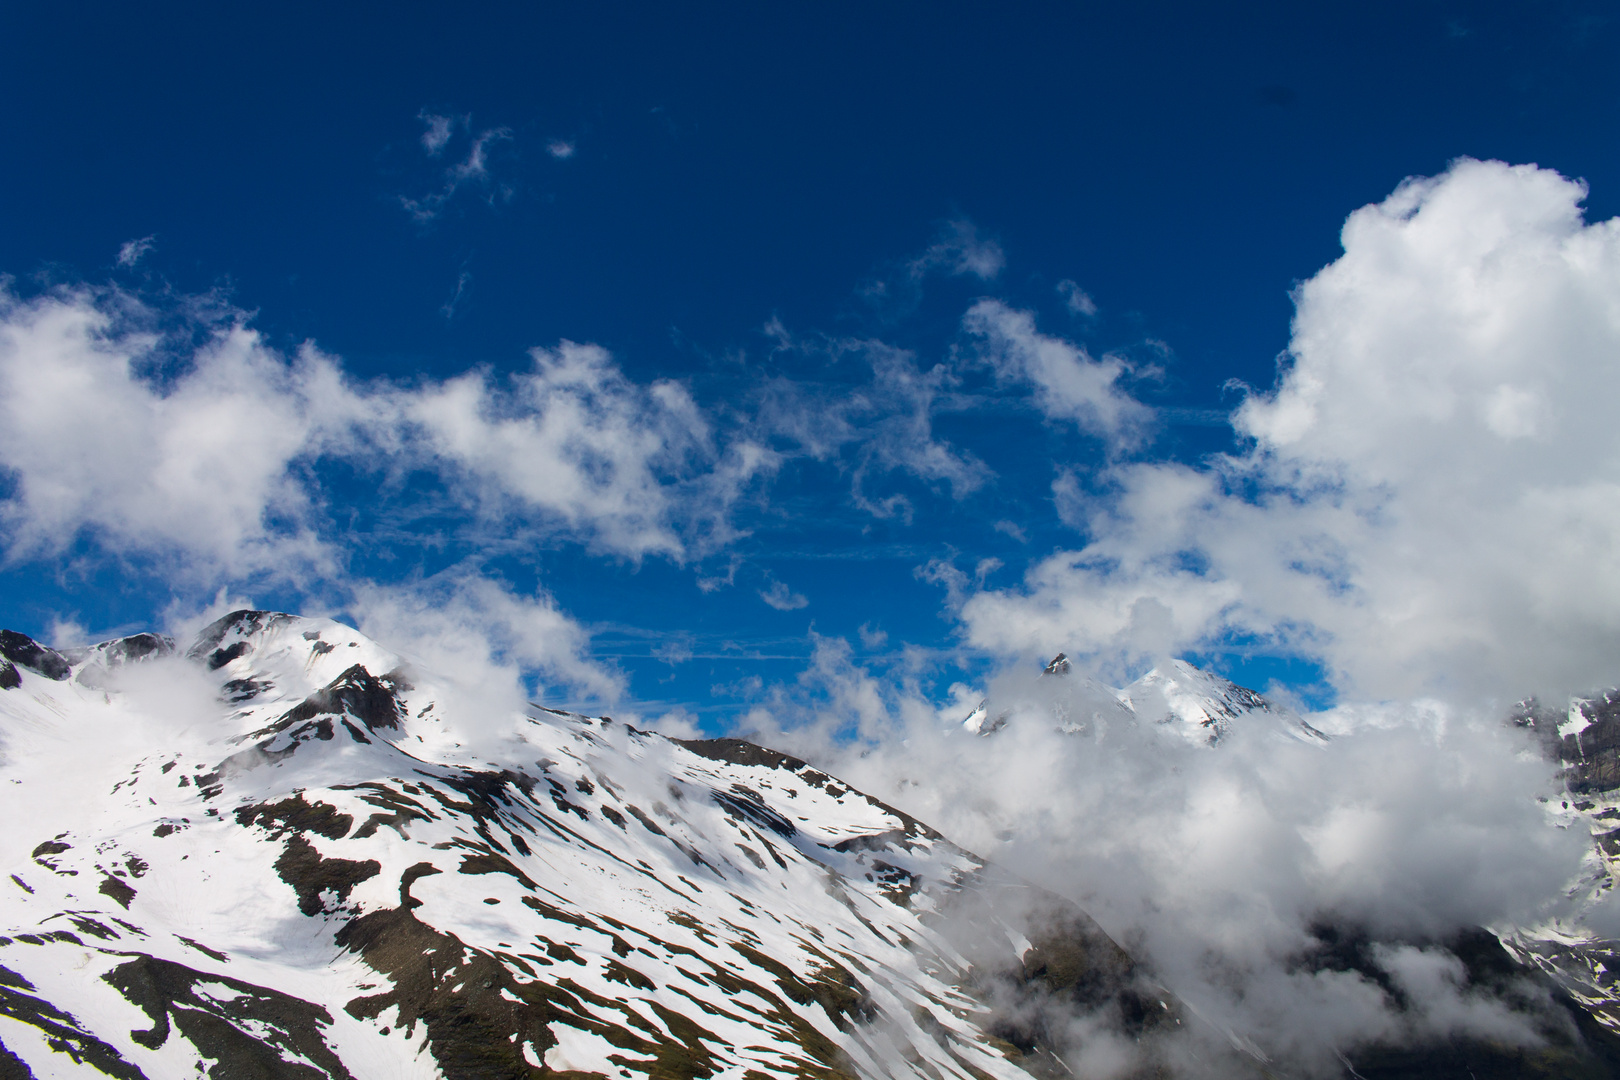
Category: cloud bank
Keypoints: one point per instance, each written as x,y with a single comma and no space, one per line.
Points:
209,458
1427,501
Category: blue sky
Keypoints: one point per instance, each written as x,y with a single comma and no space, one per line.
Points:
842,237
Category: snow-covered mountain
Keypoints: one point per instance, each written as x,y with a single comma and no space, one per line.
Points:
281,851
1186,701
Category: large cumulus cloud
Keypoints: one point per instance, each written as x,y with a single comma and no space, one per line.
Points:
1429,498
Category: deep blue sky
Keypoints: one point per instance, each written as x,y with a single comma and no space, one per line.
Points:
1184,164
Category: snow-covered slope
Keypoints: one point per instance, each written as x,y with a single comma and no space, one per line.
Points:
280,851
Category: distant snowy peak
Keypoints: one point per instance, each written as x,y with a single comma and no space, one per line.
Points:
1195,704
1204,706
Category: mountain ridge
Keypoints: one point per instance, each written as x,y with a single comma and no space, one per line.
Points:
324,878
285,851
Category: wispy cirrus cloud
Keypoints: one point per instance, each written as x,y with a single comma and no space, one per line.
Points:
131,252
880,426
960,249
1070,384
471,171
438,130
1076,299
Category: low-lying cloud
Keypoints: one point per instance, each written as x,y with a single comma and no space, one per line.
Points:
1231,868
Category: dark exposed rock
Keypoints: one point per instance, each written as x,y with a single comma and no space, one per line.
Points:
310,875
132,649
13,1067
118,890
297,816
24,650
747,804
244,622
742,752
240,690
357,693
9,678
63,1032
220,657
245,1035
1593,754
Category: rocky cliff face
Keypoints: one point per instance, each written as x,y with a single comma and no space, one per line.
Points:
280,851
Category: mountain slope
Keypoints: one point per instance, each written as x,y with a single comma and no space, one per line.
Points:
285,853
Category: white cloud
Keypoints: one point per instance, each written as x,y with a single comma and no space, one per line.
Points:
1431,502
961,250
204,456
66,633
1012,529
1076,299
577,443
884,424
561,149
200,465
716,582
1217,863
872,637
782,598
437,133
470,170
487,637
1069,383
131,252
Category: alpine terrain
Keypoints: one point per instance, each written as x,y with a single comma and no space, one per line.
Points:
280,851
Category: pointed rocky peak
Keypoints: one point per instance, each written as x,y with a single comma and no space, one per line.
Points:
1060,665
1202,705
